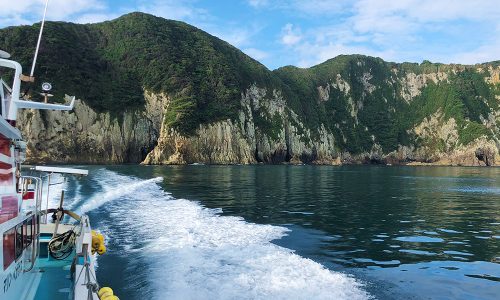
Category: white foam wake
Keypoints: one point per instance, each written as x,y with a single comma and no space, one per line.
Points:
58,184
192,252
113,191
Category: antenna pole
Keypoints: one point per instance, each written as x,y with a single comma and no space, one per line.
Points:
39,39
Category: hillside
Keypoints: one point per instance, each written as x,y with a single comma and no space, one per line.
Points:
166,92
377,101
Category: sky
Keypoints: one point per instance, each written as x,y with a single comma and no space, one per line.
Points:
307,32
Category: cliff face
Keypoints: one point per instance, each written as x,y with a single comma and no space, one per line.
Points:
265,131
163,92
268,130
86,136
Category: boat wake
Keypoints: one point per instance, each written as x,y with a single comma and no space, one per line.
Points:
188,251
114,192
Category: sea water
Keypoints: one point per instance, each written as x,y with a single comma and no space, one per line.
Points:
294,232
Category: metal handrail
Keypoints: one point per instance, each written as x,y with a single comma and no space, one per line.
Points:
82,250
38,185
6,85
2,94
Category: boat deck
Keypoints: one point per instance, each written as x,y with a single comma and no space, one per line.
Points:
55,282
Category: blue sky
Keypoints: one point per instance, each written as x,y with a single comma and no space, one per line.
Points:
305,33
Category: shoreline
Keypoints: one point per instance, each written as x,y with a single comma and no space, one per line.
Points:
335,164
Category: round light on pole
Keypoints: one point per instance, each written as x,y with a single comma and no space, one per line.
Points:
46,86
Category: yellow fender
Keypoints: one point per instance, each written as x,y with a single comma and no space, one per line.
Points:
105,290
98,243
100,237
101,250
95,241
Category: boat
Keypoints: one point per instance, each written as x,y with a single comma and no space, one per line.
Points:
46,252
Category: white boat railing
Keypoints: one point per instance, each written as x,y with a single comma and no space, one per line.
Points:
3,87
24,182
85,284
14,102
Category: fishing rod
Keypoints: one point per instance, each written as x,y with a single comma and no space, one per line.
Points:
30,79
39,39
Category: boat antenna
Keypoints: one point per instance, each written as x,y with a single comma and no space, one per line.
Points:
39,39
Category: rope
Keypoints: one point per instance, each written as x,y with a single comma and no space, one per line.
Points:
92,287
92,284
61,246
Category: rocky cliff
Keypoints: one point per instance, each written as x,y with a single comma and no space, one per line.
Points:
86,136
163,92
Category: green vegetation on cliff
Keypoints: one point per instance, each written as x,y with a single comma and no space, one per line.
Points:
108,65
360,100
466,98
374,109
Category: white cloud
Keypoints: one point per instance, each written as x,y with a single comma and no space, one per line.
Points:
95,18
85,11
29,11
488,51
237,37
234,34
305,7
13,20
63,9
309,54
322,7
484,53
290,35
403,30
256,53
185,10
258,3
432,10
410,15
16,7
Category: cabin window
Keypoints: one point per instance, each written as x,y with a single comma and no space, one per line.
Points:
19,240
8,247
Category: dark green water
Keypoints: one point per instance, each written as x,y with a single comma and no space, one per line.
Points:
402,232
